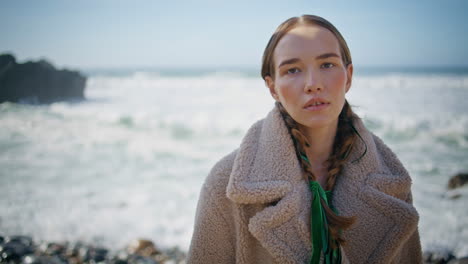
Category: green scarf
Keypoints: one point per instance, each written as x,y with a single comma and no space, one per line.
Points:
321,239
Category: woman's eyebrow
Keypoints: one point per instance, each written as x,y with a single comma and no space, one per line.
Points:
319,57
326,55
288,61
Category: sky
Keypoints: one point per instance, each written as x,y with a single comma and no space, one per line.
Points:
215,33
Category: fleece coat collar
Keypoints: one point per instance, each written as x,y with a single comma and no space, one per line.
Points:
374,188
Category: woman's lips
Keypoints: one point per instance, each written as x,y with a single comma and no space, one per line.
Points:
316,106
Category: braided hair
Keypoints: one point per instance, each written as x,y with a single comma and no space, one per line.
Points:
343,143
346,134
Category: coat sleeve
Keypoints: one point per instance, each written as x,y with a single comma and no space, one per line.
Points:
213,238
411,250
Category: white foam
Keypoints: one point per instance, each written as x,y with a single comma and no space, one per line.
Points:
129,162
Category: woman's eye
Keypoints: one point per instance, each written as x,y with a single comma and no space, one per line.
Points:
327,65
293,70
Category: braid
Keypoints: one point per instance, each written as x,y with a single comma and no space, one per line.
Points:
342,146
344,140
300,141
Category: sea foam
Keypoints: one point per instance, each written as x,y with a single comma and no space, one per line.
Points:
130,160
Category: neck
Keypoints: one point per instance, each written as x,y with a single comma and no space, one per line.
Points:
321,140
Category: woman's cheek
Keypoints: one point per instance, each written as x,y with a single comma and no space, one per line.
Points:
282,87
338,77
288,90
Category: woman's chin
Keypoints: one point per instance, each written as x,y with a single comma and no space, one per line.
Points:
319,123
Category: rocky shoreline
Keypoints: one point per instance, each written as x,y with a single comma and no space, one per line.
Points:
25,250
38,82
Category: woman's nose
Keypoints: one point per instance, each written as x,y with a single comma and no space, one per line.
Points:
313,83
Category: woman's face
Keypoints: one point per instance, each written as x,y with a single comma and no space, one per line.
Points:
310,77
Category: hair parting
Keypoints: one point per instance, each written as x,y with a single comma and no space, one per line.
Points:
267,59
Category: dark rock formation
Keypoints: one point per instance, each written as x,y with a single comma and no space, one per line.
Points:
143,247
38,82
443,256
14,248
458,180
463,260
438,257
23,250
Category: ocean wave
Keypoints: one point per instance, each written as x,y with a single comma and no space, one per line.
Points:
412,81
141,144
450,132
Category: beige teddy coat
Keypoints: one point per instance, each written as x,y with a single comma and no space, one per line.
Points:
254,206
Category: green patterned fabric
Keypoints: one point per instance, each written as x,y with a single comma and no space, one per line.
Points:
321,239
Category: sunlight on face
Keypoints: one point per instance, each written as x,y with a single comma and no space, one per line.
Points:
310,77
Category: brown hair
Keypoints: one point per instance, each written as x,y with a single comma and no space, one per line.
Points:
345,135
267,61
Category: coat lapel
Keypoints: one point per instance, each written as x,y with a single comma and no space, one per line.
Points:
375,188
266,171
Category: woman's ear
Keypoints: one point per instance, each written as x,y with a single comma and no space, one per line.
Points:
349,75
271,86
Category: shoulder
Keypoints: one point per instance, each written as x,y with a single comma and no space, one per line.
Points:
213,237
219,175
370,155
213,203
218,178
390,161
375,165
392,177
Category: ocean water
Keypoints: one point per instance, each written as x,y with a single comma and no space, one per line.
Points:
129,161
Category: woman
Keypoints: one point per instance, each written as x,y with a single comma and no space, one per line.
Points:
309,183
